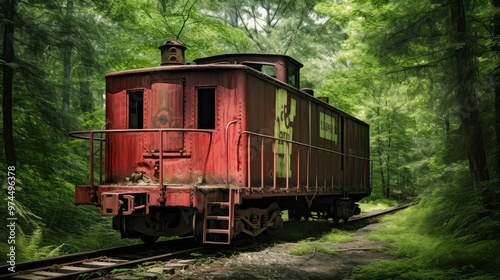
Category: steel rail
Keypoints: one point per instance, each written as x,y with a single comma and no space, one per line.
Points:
53,264
377,213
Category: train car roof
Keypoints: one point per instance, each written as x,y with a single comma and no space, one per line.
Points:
232,62
241,58
224,61
176,67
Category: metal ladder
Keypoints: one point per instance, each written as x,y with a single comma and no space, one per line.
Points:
218,228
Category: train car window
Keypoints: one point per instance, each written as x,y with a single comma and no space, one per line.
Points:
135,109
269,70
256,66
206,108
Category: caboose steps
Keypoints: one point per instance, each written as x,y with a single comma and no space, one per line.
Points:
218,222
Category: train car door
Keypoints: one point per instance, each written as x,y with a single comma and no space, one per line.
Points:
165,109
124,110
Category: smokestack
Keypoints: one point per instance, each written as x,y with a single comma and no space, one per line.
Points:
172,53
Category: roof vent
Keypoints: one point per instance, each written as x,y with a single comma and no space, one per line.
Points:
172,53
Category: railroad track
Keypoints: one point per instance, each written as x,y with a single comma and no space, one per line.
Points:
94,264
377,213
100,262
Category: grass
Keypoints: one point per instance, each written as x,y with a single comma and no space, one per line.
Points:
372,203
367,207
322,244
425,252
307,248
319,236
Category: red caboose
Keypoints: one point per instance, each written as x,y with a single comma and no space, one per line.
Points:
220,148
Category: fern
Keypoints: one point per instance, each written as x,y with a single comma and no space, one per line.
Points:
31,248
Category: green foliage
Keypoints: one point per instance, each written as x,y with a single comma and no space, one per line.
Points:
337,236
398,66
31,247
405,269
361,84
289,27
48,164
311,247
397,71
445,236
376,204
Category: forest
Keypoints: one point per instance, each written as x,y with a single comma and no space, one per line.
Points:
424,74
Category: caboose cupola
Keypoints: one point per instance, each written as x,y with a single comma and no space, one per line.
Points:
172,53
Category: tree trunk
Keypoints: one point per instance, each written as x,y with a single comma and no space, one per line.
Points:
390,121
380,153
66,86
67,52
86,98
496,82
9,7
466,73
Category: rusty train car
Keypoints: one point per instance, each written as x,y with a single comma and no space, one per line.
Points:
220,148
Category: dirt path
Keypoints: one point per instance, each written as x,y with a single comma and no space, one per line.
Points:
276,262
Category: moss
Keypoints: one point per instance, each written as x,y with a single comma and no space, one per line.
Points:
323,244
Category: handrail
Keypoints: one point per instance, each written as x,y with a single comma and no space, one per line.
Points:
83,135
310,148
290,141
76,134
226,137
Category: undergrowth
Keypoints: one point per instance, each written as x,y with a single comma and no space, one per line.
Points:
376,202
448,235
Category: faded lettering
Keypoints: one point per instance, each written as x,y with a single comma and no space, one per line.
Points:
283,129
327,129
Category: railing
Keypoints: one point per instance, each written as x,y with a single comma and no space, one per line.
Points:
346,161
349,163
102,134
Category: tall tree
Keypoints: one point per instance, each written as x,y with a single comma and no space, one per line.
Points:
496,79
66,47
8,57
466,75
443,48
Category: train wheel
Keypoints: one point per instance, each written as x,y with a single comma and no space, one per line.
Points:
278,222
198,228
148,239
